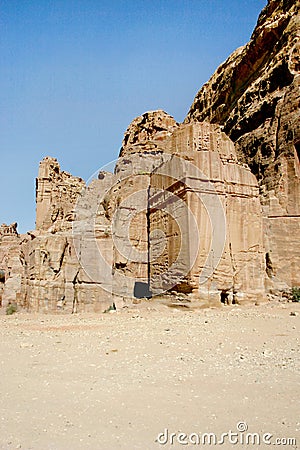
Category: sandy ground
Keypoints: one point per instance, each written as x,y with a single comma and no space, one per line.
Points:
115,381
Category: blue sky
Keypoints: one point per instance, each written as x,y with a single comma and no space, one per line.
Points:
75,73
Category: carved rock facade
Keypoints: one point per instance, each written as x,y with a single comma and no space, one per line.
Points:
255,97
207,209
206,220
12,265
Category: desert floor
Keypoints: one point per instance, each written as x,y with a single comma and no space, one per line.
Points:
116,381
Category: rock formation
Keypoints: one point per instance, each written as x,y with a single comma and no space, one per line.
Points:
206,220
255,97
56,195
59,275
45,270
143,150
207,210
12,265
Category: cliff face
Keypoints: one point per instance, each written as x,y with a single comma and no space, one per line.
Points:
170,181
182,212
56,195
255,96
205,220
12,264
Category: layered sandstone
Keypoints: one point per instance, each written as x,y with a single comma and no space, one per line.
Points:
171,191
56,195
143,150
207,210
206,220
254,94
12,265
62,273
255,97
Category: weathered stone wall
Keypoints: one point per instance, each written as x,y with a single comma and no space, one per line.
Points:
12,265
191,196
65,271
56,196
255,96
182,211
143,149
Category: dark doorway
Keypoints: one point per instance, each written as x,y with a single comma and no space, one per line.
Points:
224,297
2,276
141,290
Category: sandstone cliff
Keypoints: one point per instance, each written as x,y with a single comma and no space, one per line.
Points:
12,265
56,195
182,214
255,96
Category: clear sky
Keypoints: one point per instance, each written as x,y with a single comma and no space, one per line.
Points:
75,73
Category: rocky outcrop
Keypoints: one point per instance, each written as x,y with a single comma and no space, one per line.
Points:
176,193
254,94
143,150
207,210
54,268
12,265
56,196
255,97
180,214
150,128
205,221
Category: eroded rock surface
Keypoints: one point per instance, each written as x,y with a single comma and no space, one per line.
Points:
56,195
12,265
207,210
143,150
206,221
255,96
